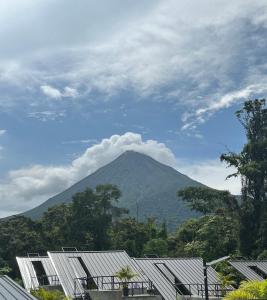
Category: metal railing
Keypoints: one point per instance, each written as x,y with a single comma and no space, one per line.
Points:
83,284
44,280
216,290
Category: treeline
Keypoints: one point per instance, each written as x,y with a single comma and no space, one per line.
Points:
92,221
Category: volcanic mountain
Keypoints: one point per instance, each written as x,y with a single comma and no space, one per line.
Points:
149,189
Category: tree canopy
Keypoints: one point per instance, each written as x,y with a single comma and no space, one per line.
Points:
248,213
251,166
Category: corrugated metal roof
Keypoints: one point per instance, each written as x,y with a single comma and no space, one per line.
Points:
186,270
244,268
164,287
28,273
10,290
104,263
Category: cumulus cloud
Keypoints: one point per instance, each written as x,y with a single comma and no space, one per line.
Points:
27,187
54,93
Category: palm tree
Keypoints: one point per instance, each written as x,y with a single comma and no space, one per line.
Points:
125,274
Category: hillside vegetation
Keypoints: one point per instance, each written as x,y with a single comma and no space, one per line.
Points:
148,189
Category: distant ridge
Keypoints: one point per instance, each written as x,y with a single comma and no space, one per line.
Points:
148,188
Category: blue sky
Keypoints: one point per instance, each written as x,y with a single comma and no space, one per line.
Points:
81,82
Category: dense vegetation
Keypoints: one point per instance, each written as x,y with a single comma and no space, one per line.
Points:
251,165
90,222
93,221
137,176
249,290
244,220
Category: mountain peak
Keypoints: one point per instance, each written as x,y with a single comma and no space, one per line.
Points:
149,188
133,153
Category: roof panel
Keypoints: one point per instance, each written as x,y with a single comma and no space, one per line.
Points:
244,268
28,273
10,290
186,270
104,263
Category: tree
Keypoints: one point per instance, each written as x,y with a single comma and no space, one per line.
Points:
209,201
126,274
209,237
196,237
5,270
55,231
18,236
251,166
156,246
228,275
91,216
132,236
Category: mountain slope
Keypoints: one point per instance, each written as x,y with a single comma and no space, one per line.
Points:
148,188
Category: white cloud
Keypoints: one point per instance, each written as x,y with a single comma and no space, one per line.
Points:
225,101
50,91
83,141
47,115
70,92
2,131
28,187
151,47
212,173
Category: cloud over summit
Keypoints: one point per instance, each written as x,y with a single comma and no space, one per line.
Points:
27,187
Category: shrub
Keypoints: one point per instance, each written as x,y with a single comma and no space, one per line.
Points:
42,294
249,290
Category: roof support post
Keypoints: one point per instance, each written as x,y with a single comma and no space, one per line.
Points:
205,272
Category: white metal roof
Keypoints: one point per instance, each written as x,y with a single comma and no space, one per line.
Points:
28,273
102,263
10,290
164,287
186,270
244,268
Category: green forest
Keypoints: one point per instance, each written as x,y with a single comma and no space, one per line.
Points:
229,225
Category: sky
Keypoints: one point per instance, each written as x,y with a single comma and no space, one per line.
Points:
83,81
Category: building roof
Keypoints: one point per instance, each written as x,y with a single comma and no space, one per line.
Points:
10,290
28,272
163,271
251,269
104,263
